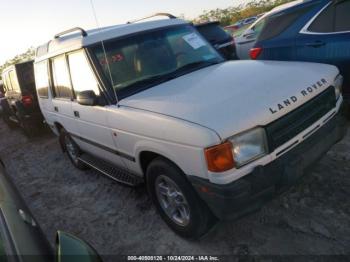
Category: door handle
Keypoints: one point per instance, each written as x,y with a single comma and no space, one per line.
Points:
76,114
316,44
56,108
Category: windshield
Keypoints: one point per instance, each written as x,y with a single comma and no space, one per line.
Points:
143,60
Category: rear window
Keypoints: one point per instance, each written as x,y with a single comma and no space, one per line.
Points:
26,77
278,23
214,33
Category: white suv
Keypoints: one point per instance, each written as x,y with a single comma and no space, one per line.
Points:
153,102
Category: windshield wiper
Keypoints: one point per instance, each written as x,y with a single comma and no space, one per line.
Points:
194,66
157,79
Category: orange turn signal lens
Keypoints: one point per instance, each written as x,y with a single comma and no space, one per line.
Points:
219,158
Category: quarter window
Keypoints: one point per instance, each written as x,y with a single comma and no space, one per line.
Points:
82,76
41,79
61,78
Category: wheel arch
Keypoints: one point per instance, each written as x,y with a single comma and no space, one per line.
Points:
59,127
145,157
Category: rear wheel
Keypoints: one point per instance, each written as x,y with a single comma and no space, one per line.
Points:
6,115
72,149
29,128
177,202
7,121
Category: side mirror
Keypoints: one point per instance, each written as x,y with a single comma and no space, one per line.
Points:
72,249
87,98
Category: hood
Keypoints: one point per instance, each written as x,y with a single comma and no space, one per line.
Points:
235,96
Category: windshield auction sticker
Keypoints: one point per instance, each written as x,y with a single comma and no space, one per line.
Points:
194,40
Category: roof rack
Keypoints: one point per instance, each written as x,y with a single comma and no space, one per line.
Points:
82,31
170,16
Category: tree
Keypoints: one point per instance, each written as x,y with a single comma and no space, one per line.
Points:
232,14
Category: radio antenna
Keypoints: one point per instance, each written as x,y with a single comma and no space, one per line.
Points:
104,50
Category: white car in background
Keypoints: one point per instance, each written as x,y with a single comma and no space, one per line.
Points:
246,40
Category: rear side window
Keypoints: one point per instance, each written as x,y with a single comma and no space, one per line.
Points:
335,18
82,76
277,24
41,79
213,33
342,16
14,81
61,79
324,22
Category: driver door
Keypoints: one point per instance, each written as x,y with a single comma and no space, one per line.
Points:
95,136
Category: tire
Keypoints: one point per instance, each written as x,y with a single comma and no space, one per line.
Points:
29,129
6,115
8,122
72,149
187,215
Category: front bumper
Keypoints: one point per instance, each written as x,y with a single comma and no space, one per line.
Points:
253,190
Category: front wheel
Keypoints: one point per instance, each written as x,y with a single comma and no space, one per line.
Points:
177,202
72,149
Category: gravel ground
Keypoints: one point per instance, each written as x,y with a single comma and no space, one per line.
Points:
313,218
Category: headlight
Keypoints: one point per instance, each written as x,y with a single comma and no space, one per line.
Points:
338,85
249,146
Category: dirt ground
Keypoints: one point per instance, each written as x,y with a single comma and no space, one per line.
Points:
313,218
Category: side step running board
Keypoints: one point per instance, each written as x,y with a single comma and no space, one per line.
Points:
110,170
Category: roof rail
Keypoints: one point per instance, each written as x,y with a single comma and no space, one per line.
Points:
82,31
170,16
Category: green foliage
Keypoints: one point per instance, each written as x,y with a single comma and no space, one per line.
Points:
232,14
26,56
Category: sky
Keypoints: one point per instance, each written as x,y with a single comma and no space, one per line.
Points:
26,23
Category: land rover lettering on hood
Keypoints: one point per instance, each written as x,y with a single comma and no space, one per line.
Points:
154,103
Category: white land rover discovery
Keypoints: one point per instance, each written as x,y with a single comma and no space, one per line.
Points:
153,102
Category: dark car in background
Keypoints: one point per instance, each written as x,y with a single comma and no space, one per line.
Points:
21,104
219,38
312,31
21,238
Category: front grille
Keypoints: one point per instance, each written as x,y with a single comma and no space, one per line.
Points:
290,125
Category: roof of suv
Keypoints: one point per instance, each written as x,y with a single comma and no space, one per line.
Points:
76,41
